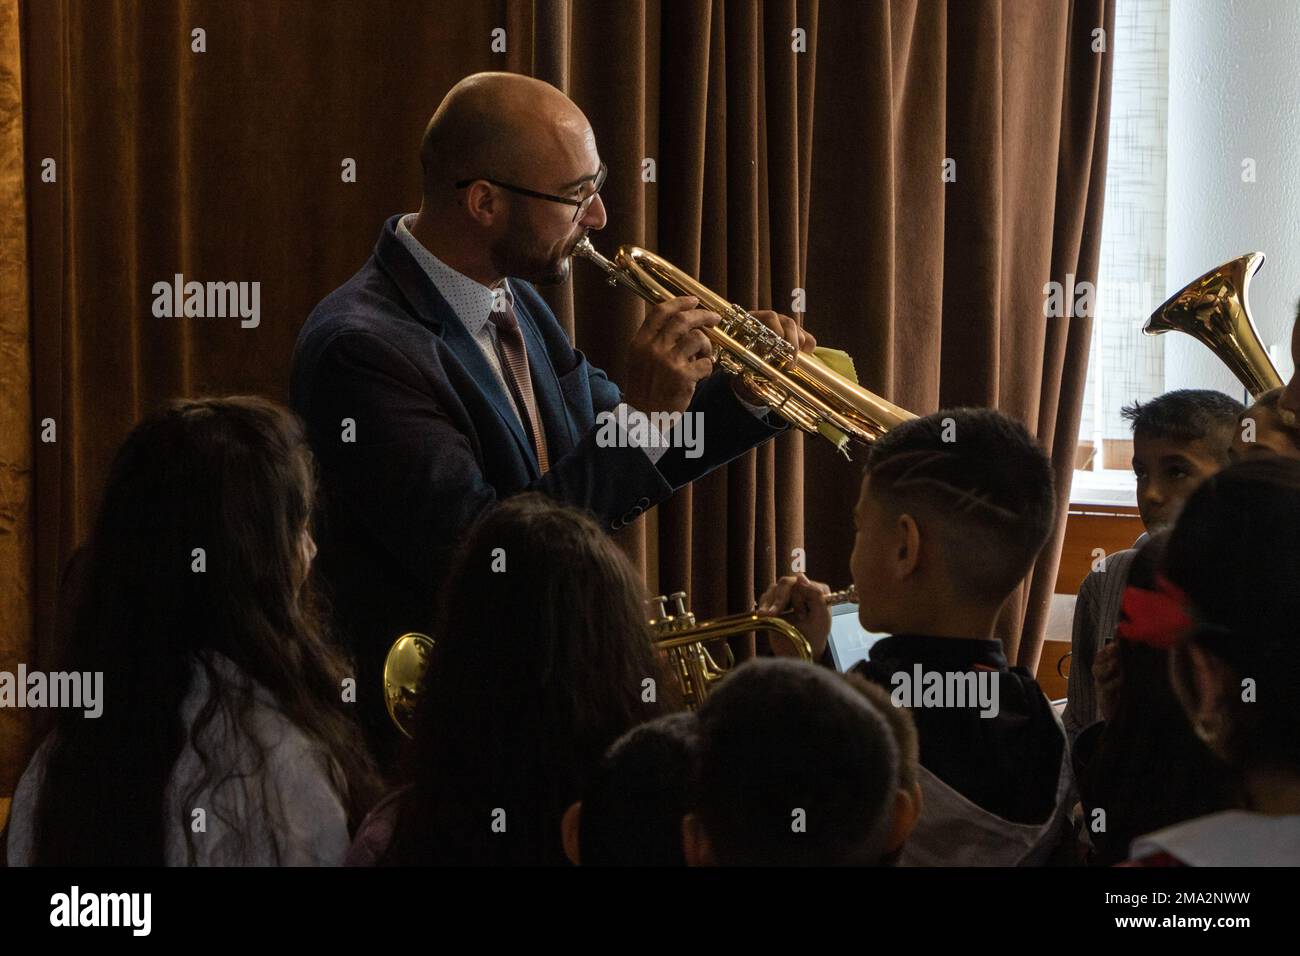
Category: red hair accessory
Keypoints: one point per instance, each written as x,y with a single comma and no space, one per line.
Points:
1157,618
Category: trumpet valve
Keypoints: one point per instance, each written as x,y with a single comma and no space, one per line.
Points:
668,622
662,616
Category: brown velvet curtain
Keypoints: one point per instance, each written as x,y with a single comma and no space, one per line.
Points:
797,145
15,398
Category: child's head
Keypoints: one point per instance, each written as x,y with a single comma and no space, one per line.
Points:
529,682
795,767
631,813
1262,430
954,509
1236,553
1179,438
907,799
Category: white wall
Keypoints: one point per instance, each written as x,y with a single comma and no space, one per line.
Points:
1234,92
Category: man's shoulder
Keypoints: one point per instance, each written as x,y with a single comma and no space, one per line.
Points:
366,308
367,301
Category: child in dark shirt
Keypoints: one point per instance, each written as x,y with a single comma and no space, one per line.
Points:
953,512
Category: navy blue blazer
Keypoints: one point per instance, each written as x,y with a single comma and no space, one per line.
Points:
436,441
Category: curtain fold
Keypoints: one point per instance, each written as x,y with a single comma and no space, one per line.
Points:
16,425
798,152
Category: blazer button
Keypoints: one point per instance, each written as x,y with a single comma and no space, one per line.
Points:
616,524
644,503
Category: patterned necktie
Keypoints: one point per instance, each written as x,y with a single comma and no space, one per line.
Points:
515,367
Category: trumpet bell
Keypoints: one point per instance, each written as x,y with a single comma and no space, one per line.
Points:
1215,310
404,667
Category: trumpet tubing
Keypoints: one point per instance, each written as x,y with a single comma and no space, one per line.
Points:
682,641
677,636
796,385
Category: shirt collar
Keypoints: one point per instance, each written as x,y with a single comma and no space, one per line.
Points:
936,651
470,300
1230,838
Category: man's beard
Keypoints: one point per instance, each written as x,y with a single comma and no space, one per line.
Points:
517,254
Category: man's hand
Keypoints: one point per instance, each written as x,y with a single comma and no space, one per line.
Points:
789,330
811,615
669,356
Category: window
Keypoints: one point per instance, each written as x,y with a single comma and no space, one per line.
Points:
1125,365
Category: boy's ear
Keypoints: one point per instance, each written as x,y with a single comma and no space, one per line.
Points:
1208,682
696,847
907,546
570,828
907,810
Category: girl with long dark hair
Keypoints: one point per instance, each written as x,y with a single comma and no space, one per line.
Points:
1233,569
1145,768
542,659
224,737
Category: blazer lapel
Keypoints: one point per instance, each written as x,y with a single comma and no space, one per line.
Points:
471,356
432,310
546,386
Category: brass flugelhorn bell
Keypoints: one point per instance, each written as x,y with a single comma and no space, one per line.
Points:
799,387
404,668
1215,310
678,637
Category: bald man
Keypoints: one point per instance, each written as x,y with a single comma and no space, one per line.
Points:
436,381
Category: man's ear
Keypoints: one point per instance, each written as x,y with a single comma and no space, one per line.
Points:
696,847
907,546
570,828
907,810
481,203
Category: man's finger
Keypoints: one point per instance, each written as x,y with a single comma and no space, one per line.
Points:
683,322
693,345
661,313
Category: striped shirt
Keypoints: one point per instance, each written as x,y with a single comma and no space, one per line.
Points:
1096,612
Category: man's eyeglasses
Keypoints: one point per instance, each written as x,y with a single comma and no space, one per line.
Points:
583,204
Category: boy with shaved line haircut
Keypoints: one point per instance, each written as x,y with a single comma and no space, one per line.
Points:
953,512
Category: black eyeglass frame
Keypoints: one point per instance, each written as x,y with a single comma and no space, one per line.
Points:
582,204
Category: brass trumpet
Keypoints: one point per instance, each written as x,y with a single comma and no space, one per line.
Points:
1214,309
679,638
682,640
802,389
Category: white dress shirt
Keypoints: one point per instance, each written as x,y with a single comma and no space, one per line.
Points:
472,302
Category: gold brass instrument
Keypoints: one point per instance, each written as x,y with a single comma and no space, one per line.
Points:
679,638
404,667
1214,309
803,390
